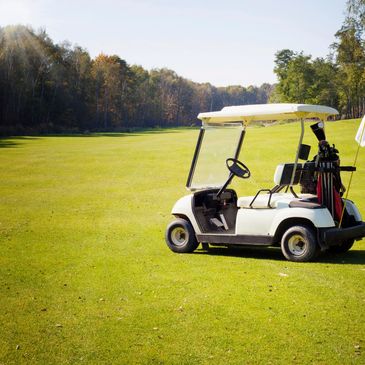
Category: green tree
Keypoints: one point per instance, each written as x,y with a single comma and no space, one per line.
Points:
350,58
356,14
296,75
324,89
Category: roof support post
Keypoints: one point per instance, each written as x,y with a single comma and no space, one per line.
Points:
298,149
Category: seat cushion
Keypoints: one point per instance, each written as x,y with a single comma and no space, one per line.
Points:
304,204
284,172
262,201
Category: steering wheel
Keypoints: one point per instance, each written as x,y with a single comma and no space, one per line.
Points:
237,168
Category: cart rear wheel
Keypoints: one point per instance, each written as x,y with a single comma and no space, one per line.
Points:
180,236
342,248
299,244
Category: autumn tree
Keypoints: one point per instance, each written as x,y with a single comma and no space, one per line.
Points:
110,83
47,87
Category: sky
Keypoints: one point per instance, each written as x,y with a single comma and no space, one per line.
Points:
224,42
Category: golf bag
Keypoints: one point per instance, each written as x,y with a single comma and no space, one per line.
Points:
321,176
329,185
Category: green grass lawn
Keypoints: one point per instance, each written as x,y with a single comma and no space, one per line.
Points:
86,276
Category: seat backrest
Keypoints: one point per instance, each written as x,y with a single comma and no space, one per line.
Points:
283,174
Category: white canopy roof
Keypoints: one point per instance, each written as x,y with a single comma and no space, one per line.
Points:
247,113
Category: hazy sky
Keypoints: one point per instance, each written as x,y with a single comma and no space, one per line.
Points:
224,42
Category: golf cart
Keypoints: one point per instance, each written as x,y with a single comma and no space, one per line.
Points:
302,224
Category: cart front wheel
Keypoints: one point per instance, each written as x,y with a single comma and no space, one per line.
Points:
299,244
180,236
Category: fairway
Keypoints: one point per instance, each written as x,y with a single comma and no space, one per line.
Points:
86,276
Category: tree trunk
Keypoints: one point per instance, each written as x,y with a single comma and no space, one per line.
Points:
106,108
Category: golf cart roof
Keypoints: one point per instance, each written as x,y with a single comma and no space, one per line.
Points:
262,112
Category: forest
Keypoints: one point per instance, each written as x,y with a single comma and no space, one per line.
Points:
337,80
58,88
50,88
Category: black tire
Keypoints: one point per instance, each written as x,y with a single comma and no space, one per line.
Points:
342,248
180,236
299,244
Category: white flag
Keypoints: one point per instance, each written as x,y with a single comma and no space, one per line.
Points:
360,135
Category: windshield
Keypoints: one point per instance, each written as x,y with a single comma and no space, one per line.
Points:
216,143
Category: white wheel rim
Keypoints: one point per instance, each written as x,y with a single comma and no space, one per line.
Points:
296,245
179,236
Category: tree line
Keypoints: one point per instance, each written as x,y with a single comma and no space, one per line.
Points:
337,80
50,88
47,88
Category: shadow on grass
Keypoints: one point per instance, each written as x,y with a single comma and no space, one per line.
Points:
10,142
268,253
15,141
352,257
132,133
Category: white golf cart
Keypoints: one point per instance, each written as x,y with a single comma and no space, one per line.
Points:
302,224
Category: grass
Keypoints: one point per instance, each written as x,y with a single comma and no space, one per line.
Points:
86,277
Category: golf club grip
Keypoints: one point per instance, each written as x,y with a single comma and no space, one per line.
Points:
347,168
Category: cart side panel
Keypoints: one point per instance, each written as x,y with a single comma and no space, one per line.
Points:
183,208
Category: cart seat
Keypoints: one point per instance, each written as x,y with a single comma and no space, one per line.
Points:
283,174
262,201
